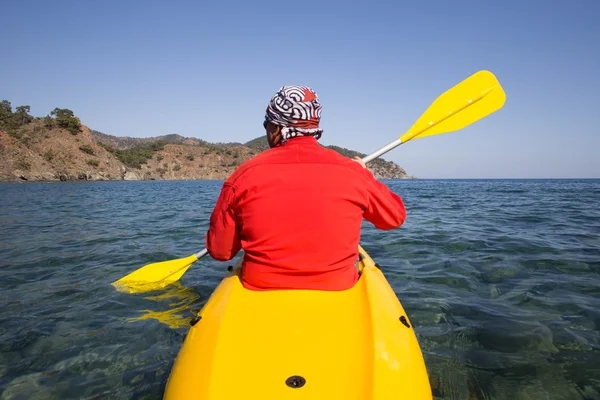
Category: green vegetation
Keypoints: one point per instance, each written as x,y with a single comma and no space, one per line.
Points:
190,157
6,113
49,155
67,120
94,163
48,122
87,149
12,122
106,147
137,155
177,167
22,115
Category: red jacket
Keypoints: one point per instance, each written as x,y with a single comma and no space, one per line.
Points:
296,210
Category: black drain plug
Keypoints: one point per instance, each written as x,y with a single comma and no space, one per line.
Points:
295,381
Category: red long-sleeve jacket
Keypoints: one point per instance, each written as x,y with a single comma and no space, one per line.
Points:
296,210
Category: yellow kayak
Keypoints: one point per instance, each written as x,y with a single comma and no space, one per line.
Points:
301,344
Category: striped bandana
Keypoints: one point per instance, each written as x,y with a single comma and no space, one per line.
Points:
297,110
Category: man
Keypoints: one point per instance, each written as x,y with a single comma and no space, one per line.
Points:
297,208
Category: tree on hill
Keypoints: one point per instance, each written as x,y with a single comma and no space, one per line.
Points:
5,112
67,120
6,106
11,122
22,114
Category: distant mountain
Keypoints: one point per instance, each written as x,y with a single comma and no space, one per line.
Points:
60,148
126,142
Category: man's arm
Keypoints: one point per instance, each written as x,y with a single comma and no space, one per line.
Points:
385,208
223,238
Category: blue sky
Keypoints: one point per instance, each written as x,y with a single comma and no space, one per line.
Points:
207,70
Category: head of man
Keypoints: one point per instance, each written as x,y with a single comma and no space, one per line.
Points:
293,111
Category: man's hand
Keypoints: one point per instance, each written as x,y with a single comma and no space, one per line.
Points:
360,161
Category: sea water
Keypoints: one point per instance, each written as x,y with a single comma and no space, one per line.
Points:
500,278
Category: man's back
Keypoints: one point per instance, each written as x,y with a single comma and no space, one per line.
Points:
296,210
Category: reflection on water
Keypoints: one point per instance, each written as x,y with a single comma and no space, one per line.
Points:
172,307
501,280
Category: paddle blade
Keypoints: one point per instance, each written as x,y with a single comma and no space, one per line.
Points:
472,99
154,276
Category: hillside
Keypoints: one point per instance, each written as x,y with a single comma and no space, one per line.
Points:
123,143
59,148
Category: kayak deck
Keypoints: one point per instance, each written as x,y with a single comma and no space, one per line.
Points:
301,344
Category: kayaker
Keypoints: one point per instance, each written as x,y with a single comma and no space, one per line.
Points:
296,209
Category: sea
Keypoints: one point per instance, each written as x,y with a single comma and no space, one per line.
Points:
500,279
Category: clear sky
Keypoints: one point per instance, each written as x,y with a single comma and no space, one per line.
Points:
207,69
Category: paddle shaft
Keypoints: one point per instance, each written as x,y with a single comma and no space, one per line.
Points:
382,150
202,253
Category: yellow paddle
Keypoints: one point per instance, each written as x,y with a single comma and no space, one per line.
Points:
469,101
472,99
158,275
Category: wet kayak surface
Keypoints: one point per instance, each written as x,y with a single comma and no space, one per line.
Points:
500,278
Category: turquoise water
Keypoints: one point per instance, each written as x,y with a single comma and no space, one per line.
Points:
500,279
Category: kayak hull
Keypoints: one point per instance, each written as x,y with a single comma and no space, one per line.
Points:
301,344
